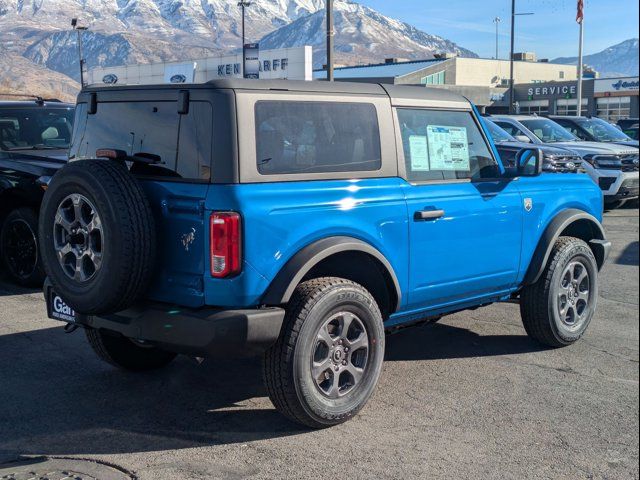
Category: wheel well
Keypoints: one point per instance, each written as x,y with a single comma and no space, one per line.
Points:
586,230
364,269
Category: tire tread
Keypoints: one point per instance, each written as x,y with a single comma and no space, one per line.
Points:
278,360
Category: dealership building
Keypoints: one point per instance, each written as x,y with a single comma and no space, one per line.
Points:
285,63
483,81
607,98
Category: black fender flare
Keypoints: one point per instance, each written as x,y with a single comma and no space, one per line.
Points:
559,224
285,282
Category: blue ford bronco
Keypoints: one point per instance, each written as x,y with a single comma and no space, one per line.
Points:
301,220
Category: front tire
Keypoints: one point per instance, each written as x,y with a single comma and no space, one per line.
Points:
125,353
558,308
19,248
325,365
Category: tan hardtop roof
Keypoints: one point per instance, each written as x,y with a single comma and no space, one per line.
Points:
400,95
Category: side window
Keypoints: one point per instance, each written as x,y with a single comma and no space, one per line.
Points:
511,129
444,145
316,137
151,128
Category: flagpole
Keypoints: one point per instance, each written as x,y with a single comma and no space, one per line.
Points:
580,67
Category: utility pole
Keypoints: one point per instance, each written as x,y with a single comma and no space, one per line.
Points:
243,4
79,30
513,40
512,50
330,40
580,20
497,21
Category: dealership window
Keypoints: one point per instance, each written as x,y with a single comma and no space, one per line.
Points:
316,137
569,106
613,109
561,74
434,79
444,145
539,107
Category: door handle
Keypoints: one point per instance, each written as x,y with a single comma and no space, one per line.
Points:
428,214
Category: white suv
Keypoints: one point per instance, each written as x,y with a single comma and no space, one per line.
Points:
613,167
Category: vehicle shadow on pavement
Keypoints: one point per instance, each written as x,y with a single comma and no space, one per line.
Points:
57,398
441,341
629,256
7,288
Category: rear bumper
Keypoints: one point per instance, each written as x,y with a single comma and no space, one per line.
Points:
205,332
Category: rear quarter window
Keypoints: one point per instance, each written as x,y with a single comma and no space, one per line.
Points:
316,137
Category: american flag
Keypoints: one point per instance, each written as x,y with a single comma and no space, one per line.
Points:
580,14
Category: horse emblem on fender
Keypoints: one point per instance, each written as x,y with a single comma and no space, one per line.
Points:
528,204
188,239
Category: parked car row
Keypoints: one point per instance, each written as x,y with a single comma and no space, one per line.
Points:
612,166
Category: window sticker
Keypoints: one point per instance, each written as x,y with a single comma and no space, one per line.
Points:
419,153
449,148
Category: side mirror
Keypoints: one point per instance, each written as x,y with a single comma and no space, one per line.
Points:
523,138
529,162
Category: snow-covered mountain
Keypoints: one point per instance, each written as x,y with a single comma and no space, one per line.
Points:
142,31
131,31
620,60
362,35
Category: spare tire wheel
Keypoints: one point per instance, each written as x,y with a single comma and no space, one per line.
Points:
97,236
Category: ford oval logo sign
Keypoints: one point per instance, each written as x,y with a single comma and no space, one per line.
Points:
178,78
110,79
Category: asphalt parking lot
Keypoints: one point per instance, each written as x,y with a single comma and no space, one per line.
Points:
469,397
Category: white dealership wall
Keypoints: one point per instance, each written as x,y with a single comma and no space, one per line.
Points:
285,63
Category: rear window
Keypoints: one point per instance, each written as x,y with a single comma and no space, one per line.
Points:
182,142
316,137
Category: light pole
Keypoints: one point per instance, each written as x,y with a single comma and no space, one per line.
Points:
79,30
330,40
243,4
497,21
513,38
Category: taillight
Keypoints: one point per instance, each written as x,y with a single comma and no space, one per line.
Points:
226,244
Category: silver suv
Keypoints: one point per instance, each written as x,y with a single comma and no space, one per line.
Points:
613,167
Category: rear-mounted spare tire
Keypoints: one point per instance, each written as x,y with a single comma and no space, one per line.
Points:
97,236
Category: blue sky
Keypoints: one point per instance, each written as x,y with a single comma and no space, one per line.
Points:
552,32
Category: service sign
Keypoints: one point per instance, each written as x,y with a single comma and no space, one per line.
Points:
180,72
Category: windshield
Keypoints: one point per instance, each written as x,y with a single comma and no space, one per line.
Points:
602,131
35,128
548,131
498,134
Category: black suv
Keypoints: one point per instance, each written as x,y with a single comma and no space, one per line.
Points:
34,142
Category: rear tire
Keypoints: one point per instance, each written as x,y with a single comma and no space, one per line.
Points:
19,248
125,353
557,309
326,363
